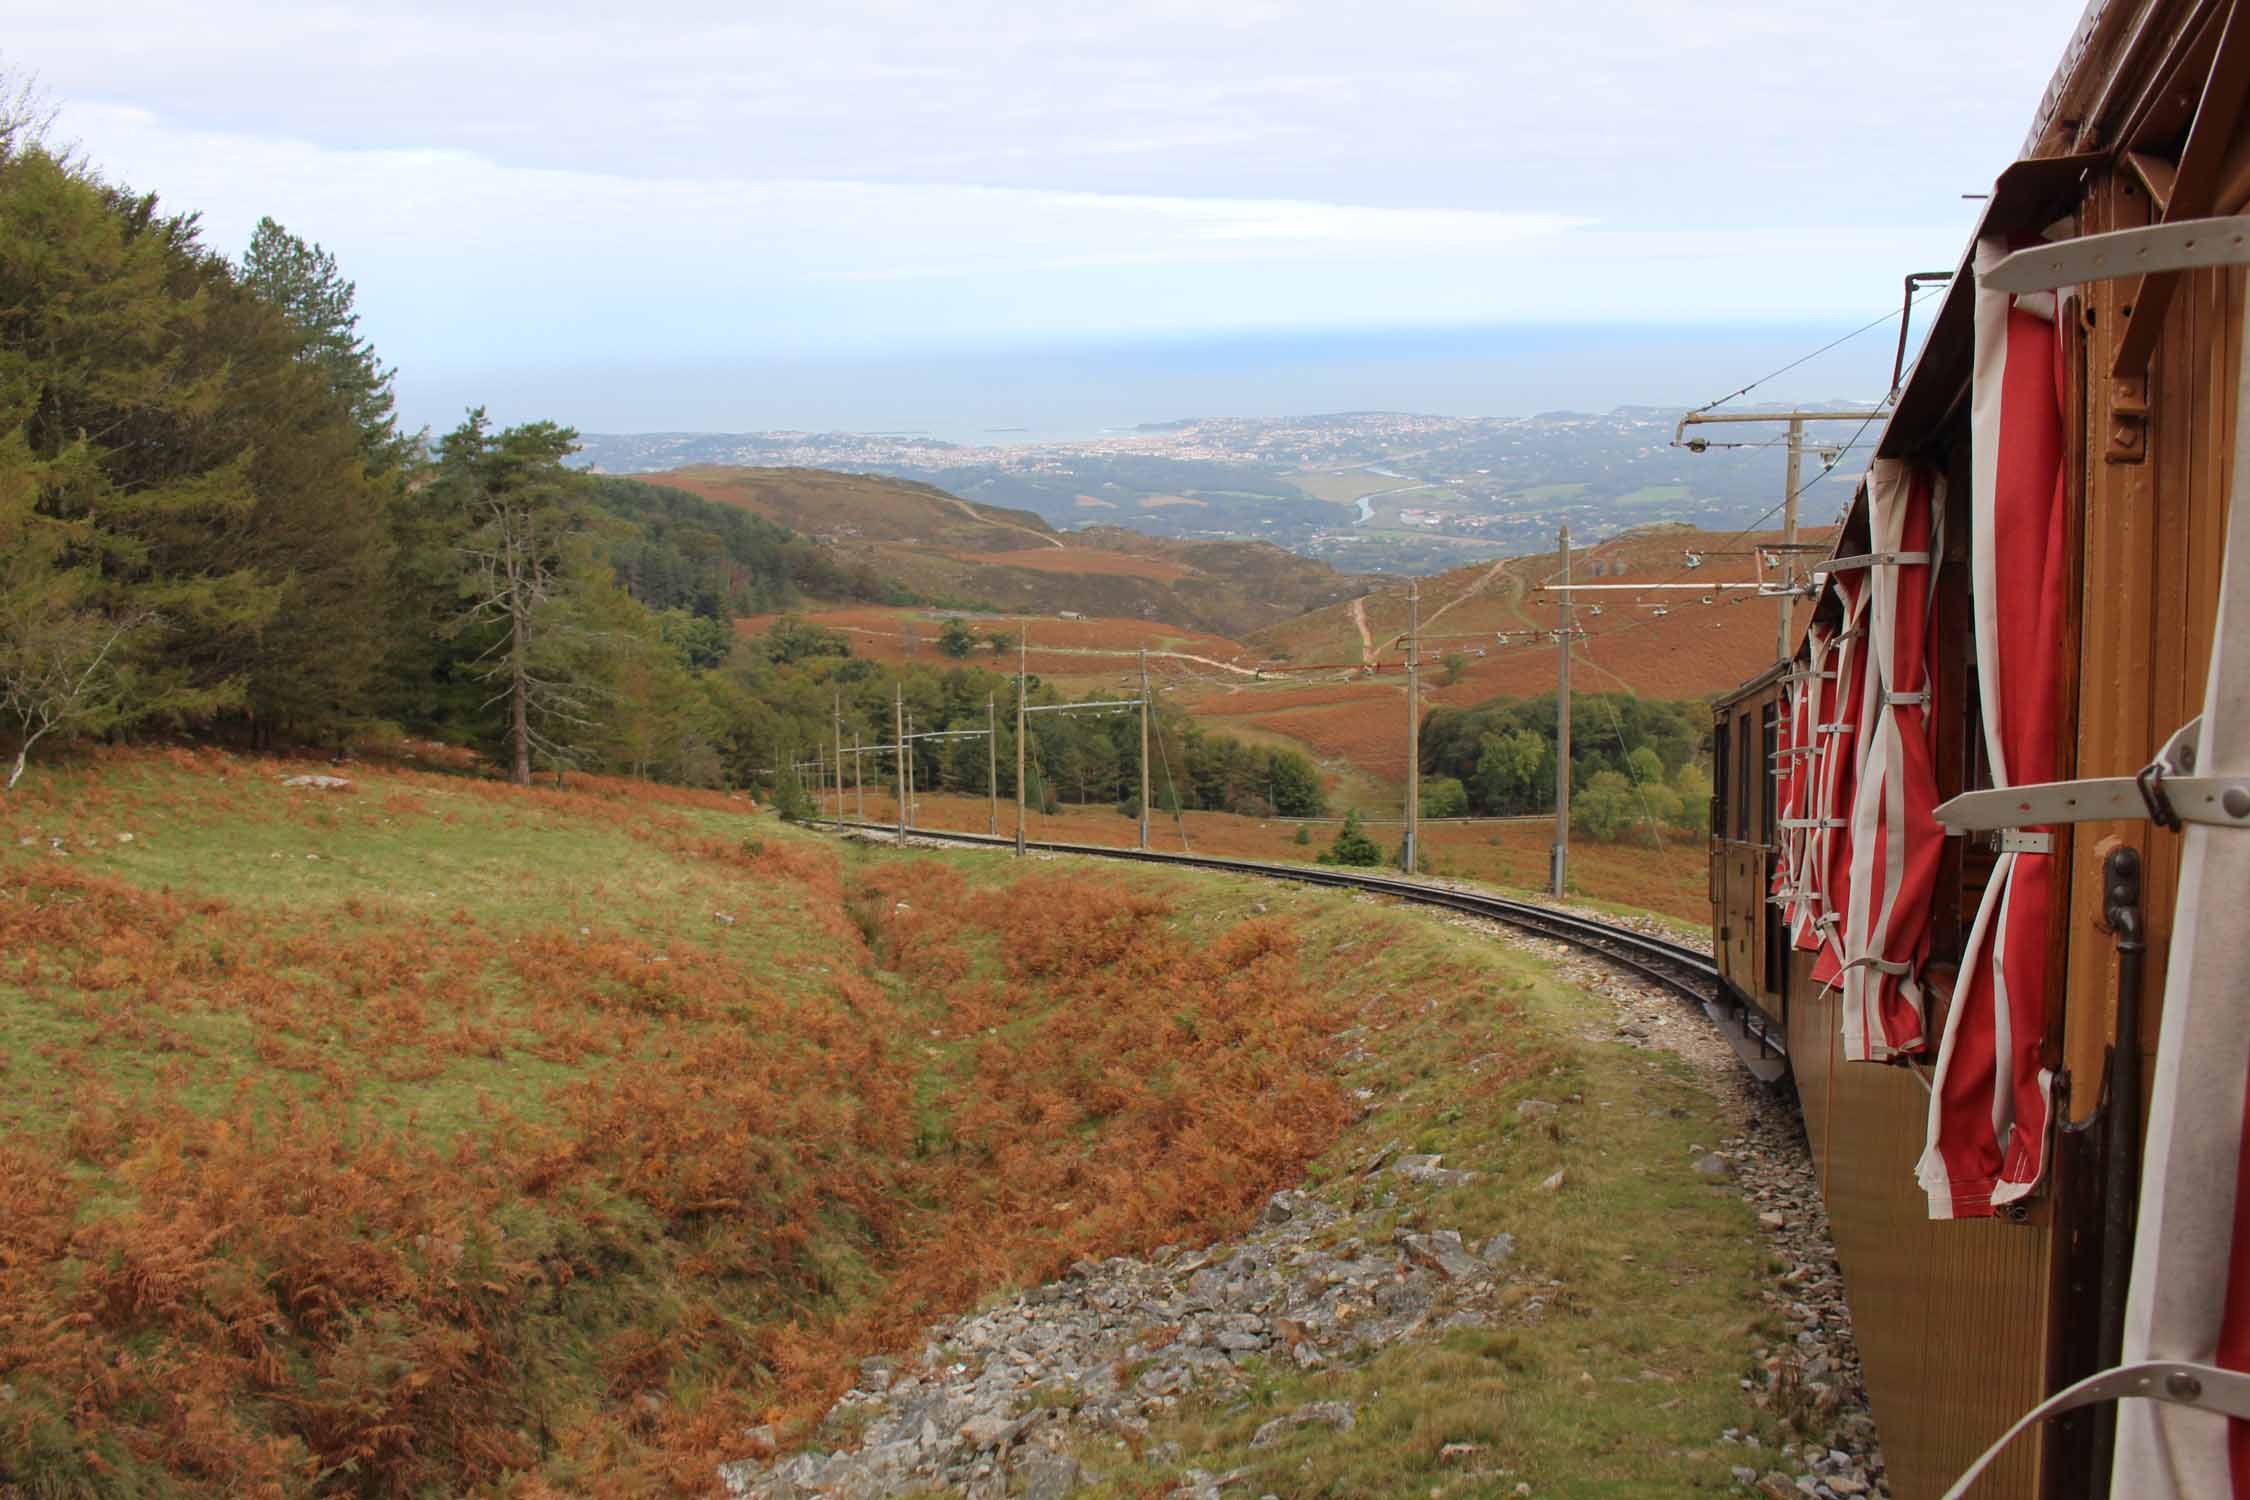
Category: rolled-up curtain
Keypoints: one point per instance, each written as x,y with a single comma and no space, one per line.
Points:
1816,697
1990,1098
1843,744
1895,840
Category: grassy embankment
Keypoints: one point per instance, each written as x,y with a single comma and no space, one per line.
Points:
1511,857
440,1136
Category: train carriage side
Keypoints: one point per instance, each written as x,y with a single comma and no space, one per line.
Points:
1966,1323
1747,938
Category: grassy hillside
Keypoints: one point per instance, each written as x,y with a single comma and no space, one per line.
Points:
1692,649
428,1134
432,1132
864,508
1672,881
941,546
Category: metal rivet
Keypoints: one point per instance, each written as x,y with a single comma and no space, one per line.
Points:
2181,1386
2236,801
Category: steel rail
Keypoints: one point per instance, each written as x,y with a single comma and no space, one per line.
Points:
1674,966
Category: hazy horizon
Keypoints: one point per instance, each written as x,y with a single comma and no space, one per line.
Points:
706,216
1080,390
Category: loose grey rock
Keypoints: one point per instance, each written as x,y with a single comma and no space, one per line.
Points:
1048,1475
317,783
1336,1414
1425,1169
1713,1166
1442,1252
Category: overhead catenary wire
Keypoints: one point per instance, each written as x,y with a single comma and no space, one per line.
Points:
1802,359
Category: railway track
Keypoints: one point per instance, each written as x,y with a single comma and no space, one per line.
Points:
1682,970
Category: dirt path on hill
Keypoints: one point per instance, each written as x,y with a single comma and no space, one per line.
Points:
1497,570
1366,640
971,512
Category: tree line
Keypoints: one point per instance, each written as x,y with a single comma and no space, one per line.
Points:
798,687
210,520
1636,763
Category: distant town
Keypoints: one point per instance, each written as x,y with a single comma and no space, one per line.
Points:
1367,491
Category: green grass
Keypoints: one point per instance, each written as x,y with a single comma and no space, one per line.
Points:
433,890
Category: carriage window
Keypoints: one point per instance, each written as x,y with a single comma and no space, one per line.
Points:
1769,745
1742,781
1721,741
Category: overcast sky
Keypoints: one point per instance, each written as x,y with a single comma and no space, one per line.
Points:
626,190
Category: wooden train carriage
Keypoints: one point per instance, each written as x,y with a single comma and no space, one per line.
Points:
1967,1322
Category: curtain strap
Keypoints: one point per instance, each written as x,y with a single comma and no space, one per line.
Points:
2204,1387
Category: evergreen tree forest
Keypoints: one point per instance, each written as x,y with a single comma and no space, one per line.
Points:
211,523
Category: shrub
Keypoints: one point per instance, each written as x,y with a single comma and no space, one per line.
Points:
1352,846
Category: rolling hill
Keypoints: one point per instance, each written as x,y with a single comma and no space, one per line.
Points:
944,547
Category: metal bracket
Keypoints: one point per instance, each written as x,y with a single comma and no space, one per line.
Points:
2164,793
2016,841
2187,245
2128,421
2182,245
2203,1387
1868,560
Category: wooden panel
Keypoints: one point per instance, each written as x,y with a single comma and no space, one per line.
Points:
1950,1316
2117,649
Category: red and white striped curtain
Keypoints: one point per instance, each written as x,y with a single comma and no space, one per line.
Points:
1843,739
1990,1098
1816,702
1788,774
1894,838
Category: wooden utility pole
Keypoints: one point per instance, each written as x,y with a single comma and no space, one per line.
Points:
1144,747
898,726
1785,647
1792,482
1562,731
859,779
1023,652
1410,850
838,702
910,770
992,765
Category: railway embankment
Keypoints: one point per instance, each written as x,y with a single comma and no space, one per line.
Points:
1489,1298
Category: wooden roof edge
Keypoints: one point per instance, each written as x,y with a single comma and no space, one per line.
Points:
2028,196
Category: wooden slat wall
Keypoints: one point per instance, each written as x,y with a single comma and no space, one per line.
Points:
1948,1315
2153,539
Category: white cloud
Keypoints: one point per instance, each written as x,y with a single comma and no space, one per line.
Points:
519,184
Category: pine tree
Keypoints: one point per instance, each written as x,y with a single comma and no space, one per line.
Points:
517,498
304,282
1352,845
124,443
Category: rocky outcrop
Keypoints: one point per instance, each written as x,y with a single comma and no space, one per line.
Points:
1002,1392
